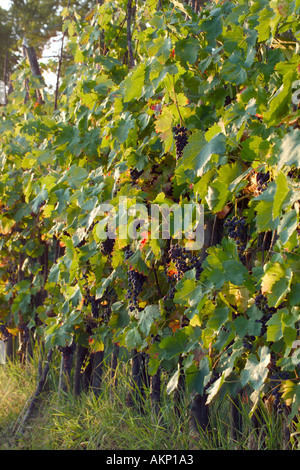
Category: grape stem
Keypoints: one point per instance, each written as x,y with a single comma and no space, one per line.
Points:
156,282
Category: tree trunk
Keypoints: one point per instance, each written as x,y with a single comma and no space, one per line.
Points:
114,364
180,390
199,414
66,368
156,392
80,355
37,393
136,394
97,372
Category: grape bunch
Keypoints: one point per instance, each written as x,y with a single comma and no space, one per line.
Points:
12,273
294,174
262,303
134,175
95,306
228,100
179,256
237,230
262,180
107,246
197,265
181,139
90,299
4,332
135,283
276,377
67,350
247,342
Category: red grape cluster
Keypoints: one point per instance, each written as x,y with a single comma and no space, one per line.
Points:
262,303
135,283
237,230
179,256
107,246
12,273
5,333
181,139
262,180
134,175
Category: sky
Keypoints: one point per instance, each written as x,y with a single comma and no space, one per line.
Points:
53,48
5,4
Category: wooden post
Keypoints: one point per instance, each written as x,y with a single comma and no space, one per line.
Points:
156,392
30,54
129,35
199,413
80,355
97,372
114,364
66,364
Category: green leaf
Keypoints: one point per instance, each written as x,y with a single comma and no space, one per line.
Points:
219,317
290,150
132,86
173,382
279,105
133,339
147,317
287,226
160,47
174,346
282,191
256,370
274,327
198,152
264,217
188,292
276,283
235,271
197,377
187,49
121,129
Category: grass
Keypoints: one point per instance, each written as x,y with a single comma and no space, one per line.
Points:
64,422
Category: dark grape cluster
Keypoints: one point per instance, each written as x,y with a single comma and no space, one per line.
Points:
106,314
12,273
181,139
228,100
107,246
294,174
262,303
67,350
95,306
247,342
179,256
100,307
134,175
262,180
237,230
196,264
276,377
135,283
4,332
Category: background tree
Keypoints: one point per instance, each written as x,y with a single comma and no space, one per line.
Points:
36,20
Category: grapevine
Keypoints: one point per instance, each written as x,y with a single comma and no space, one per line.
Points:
166,112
